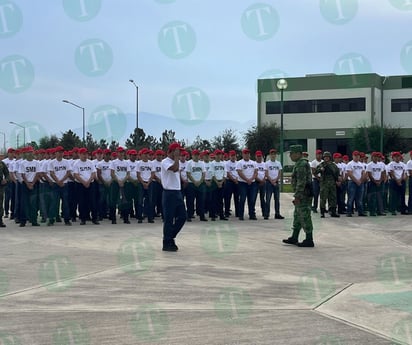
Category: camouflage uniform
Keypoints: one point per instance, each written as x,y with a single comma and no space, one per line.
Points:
329,175
4,176
301,182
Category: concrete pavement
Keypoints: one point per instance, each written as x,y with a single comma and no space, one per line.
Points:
230,283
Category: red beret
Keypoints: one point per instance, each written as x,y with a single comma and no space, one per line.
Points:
120,149
174,146
195,152
159,152
258,154
245,151
232,153
82,150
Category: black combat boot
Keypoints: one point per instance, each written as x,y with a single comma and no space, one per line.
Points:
322,213
333,212
2,225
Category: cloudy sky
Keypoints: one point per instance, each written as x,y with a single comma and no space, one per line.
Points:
195,62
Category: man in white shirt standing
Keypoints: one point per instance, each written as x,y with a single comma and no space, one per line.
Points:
174,211
273,177
409,173
231,185
60,172
195,171
218,170
377,172
144,174
356,174
397,184
30,172
316,179
9,189
247,171
84,172
261,181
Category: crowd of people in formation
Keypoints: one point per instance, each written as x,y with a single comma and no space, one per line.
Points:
378,186
59,186
54,185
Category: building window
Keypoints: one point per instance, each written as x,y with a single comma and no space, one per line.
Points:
401,105
317,106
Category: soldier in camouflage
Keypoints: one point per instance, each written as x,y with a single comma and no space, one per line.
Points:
329,175
4,179
303,193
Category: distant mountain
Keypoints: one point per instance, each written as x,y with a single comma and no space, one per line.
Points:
154,125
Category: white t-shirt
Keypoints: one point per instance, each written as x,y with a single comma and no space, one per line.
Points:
248,168
170,179
8,161
60,168
84,169
218,170
273,168
314,164
157,167
231,169
376,169
409,167
261,168
30,169
398,169
196,170
208,171
120,168
357,168
144,169
132,169
182,170
105,170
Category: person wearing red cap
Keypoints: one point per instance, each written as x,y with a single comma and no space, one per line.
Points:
377,174
131,186
9,189
231,185
104,176
273,176
145,173
4,180
316,179
30,172
157,182
218,170
409,174
355,171
59,171
174,211
184,181
84,172
340,196
15,177
247,171
397,184
118,198
261,181
196,189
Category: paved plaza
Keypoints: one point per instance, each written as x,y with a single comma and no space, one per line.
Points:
230,282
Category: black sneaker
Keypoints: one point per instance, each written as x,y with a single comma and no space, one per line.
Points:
278,216
203,219
68,223
223,218
83,222
95,222
169,248
291,240
150,221
253,218
306,244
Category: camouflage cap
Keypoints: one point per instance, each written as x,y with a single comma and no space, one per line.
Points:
296,148
327,154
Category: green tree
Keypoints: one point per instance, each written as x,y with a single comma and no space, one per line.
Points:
69,140
143,140
114,145
200,144
168,136
226,140
262,138
91,144
367,139
48,142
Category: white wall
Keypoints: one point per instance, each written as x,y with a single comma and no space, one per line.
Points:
403,119
319,120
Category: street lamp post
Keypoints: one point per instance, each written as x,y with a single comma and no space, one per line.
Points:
4,141
84,125
24,131
137,109
282,85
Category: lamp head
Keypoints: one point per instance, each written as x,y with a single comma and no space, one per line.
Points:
282,84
